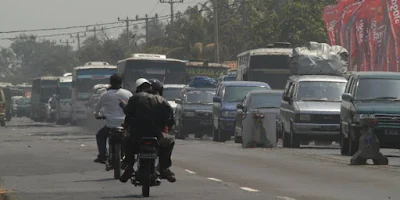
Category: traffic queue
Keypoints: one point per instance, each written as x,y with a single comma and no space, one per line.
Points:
309,97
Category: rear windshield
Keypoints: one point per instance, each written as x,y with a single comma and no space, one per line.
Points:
237,93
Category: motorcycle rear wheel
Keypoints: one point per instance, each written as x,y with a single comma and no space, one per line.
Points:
117,160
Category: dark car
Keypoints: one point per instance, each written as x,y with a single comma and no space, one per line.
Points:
371,95
194,112
23,108
228,95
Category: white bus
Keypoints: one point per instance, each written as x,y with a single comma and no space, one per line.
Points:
64,102
167,70
269,65
83,80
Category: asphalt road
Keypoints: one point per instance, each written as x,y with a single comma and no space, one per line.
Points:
44,161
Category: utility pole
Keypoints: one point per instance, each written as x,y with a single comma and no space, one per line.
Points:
67,42
94,29
244,23
171,3
216,26
147,24
127,20
78,38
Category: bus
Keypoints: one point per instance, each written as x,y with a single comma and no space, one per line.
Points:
167,70
25,87
269,65
42,89
83,80
64,100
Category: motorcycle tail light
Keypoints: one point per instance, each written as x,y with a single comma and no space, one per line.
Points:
148,143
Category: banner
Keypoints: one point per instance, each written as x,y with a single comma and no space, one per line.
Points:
369,30
330,16
393,6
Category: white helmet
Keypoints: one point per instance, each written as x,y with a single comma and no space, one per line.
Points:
141,81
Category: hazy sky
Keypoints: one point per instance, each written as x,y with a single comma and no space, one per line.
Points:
34,14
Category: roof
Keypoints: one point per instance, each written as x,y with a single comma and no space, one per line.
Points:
202,64
188,88
244,83
96,67
48,78
151,58
65,79
174,86
378,74
266,92
319,78
267,51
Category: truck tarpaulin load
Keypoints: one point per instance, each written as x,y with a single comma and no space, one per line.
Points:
319,59
203,82
205,68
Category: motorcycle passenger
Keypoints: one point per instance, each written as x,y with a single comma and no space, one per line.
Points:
147,114
109,100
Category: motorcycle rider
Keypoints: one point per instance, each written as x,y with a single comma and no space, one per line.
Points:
109,100
147,114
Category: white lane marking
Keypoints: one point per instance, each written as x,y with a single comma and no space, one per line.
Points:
248,189
214,179
190,172
285,198
82,145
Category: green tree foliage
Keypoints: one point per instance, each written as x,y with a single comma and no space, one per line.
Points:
243,25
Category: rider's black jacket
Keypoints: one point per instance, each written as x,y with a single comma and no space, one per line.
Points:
148,114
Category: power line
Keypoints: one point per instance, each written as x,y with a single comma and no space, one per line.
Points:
171,3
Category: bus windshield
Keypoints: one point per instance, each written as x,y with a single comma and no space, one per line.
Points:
269,62
168,72
85,86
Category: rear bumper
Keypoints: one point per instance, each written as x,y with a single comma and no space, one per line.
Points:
197,125
317,131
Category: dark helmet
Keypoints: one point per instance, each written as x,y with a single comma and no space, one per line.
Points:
157,86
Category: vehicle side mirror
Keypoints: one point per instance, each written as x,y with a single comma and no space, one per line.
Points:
178,101
347,97
240,106
217,100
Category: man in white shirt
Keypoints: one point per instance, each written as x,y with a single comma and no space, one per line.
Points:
109,101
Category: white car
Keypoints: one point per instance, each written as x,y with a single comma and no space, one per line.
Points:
171,92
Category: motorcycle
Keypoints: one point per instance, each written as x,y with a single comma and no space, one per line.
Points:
115,141
146,174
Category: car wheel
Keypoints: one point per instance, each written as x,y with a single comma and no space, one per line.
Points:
295,140
344,145
179,133
285,139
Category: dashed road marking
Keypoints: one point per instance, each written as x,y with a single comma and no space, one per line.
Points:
285,198
248,189
190,172
214,179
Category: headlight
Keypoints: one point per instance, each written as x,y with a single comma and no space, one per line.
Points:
303,117
358,117
188,114
228,114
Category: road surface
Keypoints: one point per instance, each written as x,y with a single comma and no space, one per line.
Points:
44,161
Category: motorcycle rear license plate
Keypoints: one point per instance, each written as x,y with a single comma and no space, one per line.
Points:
392,132
148,155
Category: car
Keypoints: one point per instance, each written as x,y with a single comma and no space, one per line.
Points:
256,102
194,112
14,104
172,92
228,95
369,95
23,107
310,109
